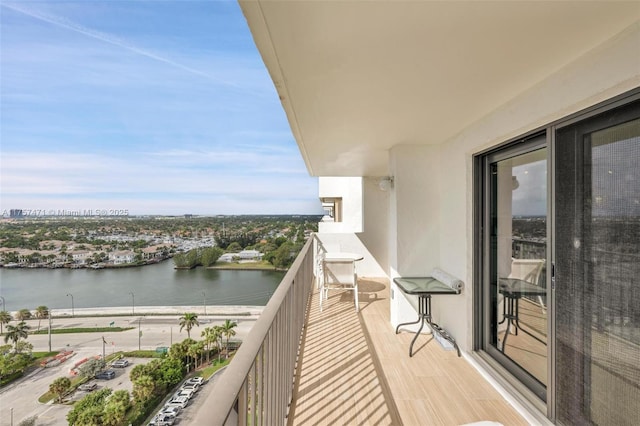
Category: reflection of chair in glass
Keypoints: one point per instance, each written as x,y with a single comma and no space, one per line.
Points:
339,274
528,270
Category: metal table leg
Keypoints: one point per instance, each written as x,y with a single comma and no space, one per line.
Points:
424,314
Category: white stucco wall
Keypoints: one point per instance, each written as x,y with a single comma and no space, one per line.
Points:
350,190
415,215
431,205
351,243
376,223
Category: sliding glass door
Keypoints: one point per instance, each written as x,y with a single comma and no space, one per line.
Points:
516,320
597,239
558,264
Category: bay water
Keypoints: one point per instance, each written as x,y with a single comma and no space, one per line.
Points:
151,285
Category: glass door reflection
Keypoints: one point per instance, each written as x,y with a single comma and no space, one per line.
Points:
518,295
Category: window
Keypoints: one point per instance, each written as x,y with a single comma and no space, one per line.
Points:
332,209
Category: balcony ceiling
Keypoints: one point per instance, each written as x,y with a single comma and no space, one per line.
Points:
358,77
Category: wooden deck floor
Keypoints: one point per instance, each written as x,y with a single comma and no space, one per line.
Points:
356,371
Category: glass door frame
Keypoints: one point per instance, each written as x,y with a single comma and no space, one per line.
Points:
533,142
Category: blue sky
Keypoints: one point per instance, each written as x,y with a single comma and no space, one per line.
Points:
155,107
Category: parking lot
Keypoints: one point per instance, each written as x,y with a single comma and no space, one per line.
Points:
187,414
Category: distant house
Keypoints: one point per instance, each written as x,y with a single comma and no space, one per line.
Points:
155,251
226,257
249,255
243,255
80,256
122,256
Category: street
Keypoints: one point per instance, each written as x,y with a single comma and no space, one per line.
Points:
19,400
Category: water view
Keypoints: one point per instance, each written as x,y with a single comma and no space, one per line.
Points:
151,285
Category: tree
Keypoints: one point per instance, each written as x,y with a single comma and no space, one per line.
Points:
116,408
188,320
285,255
12,363
137,372
17,332
172,372
24,348
60,387
219,335
234,247
23,314
92,367
210,256
90,409
228,331
143,388
211,336
41,312
5,318
195,350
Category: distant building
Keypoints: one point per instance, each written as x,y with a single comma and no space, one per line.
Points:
249,255
226,257
122,256
80,256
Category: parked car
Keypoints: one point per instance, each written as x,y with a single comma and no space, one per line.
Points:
163,420
182,401
106,375
88,387
120,363
193,387
199,380
171,409
184,393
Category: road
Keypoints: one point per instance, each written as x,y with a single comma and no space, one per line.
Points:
20,400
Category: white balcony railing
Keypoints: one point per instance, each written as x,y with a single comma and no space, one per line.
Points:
257,386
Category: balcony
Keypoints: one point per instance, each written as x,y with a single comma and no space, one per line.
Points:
303,366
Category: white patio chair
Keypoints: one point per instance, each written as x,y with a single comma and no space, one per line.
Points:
339,275
528,270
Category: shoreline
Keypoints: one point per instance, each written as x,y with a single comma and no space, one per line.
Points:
133,265
212,311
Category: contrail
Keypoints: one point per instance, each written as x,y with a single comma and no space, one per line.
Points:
65,23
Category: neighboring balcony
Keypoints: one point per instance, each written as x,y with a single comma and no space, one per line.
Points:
303,366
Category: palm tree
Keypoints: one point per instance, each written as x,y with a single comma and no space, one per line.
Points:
60,387
41,312
210,336
5,318
23,314
188,320
193,351
17,332
143,388
228,331
216,337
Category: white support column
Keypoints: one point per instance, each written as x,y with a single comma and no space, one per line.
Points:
414,237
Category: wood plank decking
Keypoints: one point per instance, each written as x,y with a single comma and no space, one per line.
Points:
356,371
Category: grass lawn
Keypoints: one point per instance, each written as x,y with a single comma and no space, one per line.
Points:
262,265
40,355
83,330
75,382
144,354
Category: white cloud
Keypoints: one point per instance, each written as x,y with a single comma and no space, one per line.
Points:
88,178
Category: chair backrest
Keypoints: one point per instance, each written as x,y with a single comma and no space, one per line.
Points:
339,272
527,269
